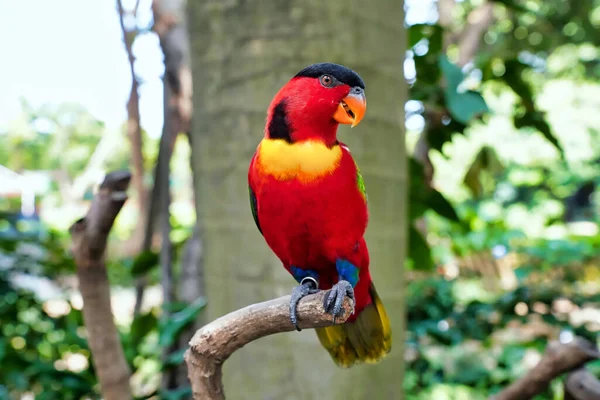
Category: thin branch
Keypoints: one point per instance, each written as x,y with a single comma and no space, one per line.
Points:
216,342
478,22
133,120
90,173
558,359
89,237
446,17
136,7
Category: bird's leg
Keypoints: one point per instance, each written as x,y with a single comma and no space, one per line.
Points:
309,283
348,278
307,286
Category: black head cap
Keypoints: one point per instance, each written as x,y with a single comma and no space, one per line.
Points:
339,72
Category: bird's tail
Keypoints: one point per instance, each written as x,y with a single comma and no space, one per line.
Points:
366,339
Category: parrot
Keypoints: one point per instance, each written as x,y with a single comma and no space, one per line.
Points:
308,200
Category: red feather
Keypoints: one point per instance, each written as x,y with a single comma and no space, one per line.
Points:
311,225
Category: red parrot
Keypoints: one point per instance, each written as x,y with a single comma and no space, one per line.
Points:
309,202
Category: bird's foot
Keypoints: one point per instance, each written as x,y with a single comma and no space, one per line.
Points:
307,286
334,299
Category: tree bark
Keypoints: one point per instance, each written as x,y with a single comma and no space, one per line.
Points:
212,345
89,236
243,52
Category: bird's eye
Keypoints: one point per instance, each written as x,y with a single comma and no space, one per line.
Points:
326,80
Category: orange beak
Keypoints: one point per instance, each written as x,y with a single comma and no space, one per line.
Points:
351,109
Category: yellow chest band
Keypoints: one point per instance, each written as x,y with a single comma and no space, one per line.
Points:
304,161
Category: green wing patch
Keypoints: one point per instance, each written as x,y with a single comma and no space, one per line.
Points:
254,207
360,182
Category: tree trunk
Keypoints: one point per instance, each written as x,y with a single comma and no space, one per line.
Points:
243,52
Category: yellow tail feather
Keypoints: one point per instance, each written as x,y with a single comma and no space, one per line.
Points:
367,339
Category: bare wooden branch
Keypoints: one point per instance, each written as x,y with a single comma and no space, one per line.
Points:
558,359
214,343
134,131
582,385
478,22
89,236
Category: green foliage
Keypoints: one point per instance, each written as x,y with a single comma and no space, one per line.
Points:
38,346
143,262
422,199
418,250
170,329
458,348
529,115
466,105
41,352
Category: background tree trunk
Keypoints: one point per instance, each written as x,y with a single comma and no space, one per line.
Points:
243,52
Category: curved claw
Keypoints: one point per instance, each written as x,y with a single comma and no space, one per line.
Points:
335,298
306,287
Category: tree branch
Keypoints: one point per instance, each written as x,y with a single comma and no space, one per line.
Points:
478,22
558,359
134,131
89,236
216,342
582,385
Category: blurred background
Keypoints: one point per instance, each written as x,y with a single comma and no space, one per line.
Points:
480,152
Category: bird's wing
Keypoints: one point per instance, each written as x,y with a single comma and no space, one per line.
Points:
254,207
252,195
360,182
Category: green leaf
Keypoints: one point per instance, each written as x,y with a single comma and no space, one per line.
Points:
170,328
2,348
175,358
144,262
438,203
513,76
463,106
423,198
177,394
433,33
535,119
452,72
142,325
419,251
